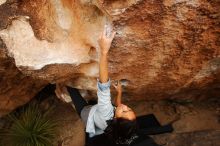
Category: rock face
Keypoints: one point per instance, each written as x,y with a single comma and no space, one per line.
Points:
16,89
162,49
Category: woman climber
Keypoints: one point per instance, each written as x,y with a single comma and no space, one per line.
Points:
106,124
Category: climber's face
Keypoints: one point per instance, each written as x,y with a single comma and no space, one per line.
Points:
125,112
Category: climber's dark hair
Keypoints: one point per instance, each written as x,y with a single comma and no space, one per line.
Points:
121,130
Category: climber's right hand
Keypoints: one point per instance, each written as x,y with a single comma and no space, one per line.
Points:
105,42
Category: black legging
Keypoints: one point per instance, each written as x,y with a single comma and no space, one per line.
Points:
79,102
77,99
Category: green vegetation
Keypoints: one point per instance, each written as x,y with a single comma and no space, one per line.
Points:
30,127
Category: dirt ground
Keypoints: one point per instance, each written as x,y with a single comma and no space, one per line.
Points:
198,123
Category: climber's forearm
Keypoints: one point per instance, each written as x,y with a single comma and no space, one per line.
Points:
103,68
104,44
118,99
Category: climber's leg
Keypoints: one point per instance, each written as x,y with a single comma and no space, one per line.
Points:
77,99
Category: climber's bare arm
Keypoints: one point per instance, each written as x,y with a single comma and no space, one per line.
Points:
119,93
105,44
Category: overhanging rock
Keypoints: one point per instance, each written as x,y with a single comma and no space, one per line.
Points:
162,49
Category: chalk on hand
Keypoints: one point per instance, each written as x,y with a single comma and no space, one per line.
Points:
108,29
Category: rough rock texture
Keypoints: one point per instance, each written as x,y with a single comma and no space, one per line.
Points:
163,48
201,138
15,88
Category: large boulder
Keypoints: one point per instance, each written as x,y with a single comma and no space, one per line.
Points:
162,49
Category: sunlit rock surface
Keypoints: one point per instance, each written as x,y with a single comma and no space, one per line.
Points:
16,89
162,49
